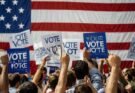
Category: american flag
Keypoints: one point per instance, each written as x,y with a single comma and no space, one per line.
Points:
73,18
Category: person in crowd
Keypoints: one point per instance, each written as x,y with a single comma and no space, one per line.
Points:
4,75
85,77
51,84
83,88
24,78
14,82
61,86
71,79
95,75
112,83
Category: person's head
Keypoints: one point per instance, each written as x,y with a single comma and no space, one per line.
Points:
14,80
53,80
81,69
83,89
124,71
128,75
23,79
27,87
71,79
44,70
57,72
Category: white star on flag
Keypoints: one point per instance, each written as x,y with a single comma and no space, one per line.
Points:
2,2
15,18
21,10
2,18
15,2
8,10
8,26
21,26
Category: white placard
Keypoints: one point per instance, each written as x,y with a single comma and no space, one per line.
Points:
52,43
20,40
39,52
72,48
131,52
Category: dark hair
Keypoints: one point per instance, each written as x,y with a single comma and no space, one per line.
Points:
83,89
81,69
27,87
44,69
13,79
23,79
0,69
71,79
53,80
130,75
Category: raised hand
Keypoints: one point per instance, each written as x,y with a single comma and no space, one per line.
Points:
4,59
114,60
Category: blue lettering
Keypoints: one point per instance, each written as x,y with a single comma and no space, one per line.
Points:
52,39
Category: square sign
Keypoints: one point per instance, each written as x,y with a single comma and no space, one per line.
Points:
39,52
19,60
52,43
20,40
72,48
131,52
96,44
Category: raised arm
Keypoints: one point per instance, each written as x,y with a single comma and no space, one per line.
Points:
100,65
39,72
61,86
86,56
4,74
112,84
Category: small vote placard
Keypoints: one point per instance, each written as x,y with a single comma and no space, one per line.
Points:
39,52
20,40
72,48
52,43
19,60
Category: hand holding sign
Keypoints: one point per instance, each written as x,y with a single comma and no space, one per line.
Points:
65,60
4,59
44,60
86,54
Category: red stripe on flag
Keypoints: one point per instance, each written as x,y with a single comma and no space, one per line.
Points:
83,6
111,46
81,27
124,64
114,46
5,46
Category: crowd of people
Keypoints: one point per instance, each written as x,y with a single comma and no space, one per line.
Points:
85,76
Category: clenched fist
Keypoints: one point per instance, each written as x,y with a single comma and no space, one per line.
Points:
114,61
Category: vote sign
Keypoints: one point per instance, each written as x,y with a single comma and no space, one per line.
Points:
52,43
96,44
39,52
19,60
72,48
131,52
20,40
